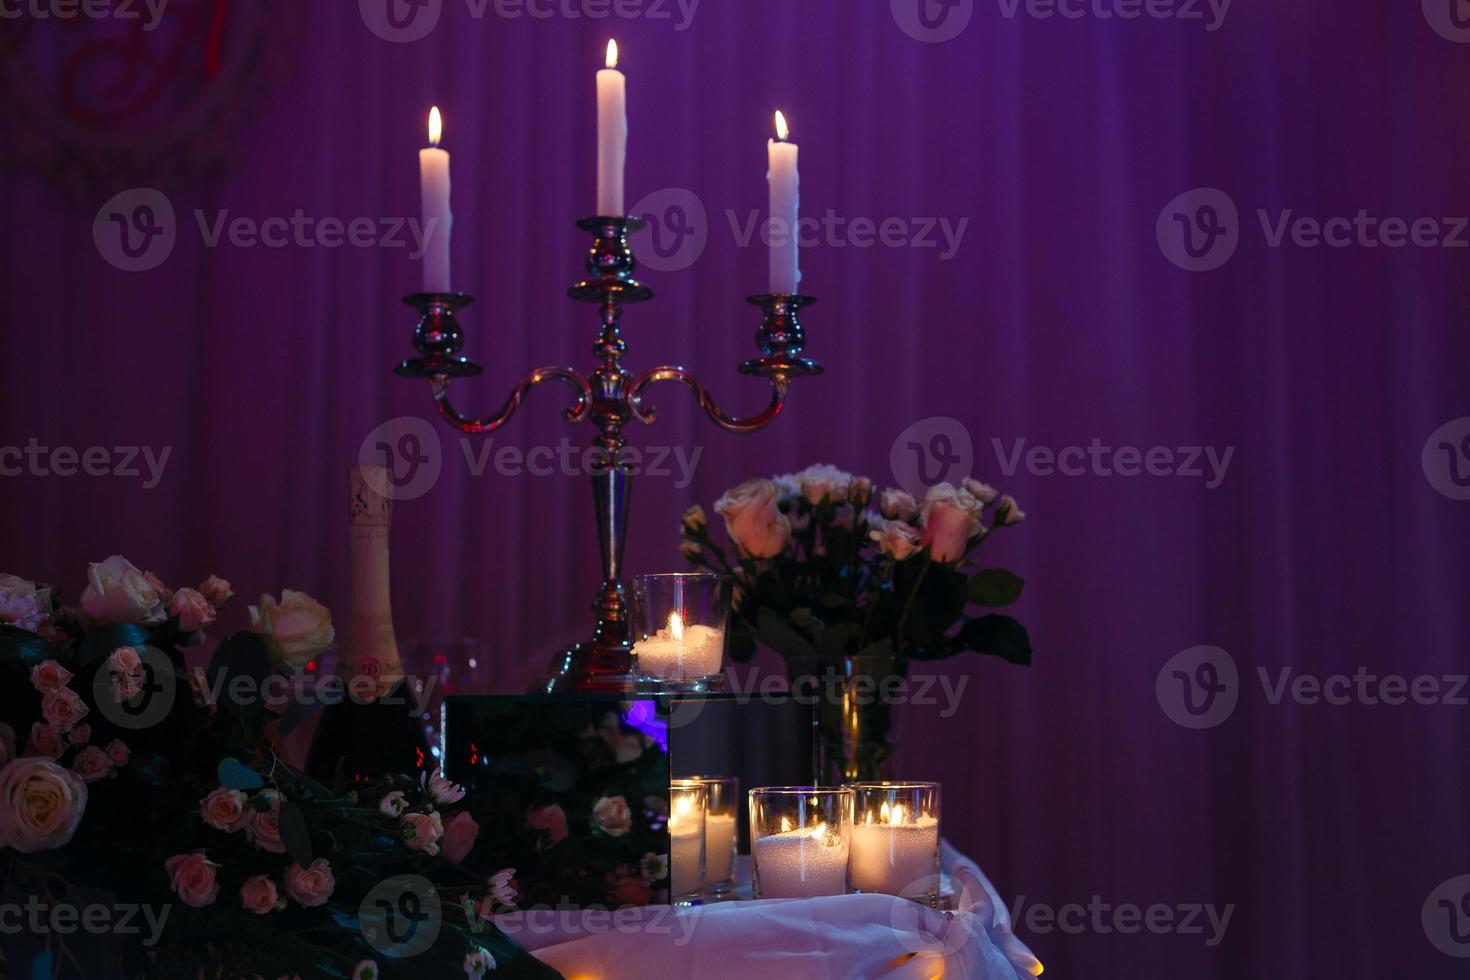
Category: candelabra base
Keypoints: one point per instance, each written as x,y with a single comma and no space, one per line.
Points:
594,667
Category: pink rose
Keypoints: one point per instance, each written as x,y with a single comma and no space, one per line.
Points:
259,895
62,708
216,590
92,764
441,789
49,676
118,752
193,877
552,819
225,809
611,813
951,518
459,836
311,886
7,744
754,520
194,611
40,804
897,505
896,539
125,687
46,741
80,735
860,492
125,660
421,831
263,827
117,592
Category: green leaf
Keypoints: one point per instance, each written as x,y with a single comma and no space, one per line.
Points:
294,833
994,587
998,636
777,633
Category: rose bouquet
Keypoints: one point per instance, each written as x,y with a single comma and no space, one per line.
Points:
130,783
852,584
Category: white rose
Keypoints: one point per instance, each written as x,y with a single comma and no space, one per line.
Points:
754,520
117,592
896,539
22,604
897,505
824,482
298,627
950,518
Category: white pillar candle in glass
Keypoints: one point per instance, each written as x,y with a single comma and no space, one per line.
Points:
721,830
612,135
679,627
686,839
785,207
800,841
895,839
434,197
680,652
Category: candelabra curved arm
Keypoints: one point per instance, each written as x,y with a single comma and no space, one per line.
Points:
669,372
575,413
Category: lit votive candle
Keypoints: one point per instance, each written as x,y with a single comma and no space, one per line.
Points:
686,839
681,653
800,841
895,839
679,626
722,798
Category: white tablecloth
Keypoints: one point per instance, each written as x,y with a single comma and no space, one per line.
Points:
844,937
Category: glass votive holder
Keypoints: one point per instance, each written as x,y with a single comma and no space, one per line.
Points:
686,840
895,839
679,627
721,833
799,840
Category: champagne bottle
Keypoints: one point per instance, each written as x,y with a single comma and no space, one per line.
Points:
374,728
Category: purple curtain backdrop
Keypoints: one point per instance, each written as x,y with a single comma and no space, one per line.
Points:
1057,320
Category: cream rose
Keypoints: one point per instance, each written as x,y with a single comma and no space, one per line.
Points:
754,520
421,831
460,834
259,895
194,611
297,628
40,804
896,539
612,815
950,518
312,885
193,877
117,592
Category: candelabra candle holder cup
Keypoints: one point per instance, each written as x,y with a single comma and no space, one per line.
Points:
681,620
895,840
687,801
800,840
721,833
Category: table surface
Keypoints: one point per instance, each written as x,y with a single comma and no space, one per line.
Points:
842,937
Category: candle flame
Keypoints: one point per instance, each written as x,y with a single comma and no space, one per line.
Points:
683,806
782,130
436,126
883,813
676,626
786,824
819,830
612,53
